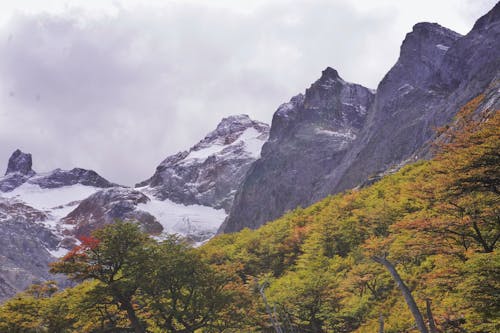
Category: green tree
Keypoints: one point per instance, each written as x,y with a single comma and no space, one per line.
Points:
114,257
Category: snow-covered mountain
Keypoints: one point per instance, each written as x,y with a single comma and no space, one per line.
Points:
211,171
43,215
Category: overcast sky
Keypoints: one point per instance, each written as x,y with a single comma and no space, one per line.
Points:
117,86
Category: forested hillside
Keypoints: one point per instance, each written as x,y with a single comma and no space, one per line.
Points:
416,251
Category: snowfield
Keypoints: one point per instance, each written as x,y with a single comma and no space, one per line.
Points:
195,221
58,201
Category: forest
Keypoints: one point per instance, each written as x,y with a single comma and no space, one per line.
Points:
416,251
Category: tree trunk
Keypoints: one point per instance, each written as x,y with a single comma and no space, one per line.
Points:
430,317
274,321
410,301
381,324
134,321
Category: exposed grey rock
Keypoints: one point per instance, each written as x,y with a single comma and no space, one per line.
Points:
400,124
25,245
20,162
60,178
211,171
106,206
18,171
12,181
438,71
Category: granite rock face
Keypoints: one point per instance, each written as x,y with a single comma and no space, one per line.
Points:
403,123
212,170
438,71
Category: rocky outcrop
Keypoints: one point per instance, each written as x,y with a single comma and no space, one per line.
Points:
106,206
438,71
21,163
18,171
212,170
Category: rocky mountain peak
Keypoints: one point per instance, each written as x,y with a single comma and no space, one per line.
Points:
235,120
209,173
19,172
329,80
428,29
21,163
329,73
421,55
59,178
334,102
426,44
229,129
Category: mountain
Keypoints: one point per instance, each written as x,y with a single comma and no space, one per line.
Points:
43,215
339,135
309,134
211,171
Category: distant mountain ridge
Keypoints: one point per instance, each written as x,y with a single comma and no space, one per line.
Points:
43,215
19,171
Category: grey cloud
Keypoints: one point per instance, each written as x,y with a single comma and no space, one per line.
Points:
119,93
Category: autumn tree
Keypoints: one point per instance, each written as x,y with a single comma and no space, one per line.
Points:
113,256
182,291
463,187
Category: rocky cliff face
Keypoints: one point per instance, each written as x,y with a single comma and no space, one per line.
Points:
212,170
437,72
403,123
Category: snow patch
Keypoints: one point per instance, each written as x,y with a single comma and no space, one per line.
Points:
59,253
405,86
191,220
442,47
59,201
251,138
341,134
